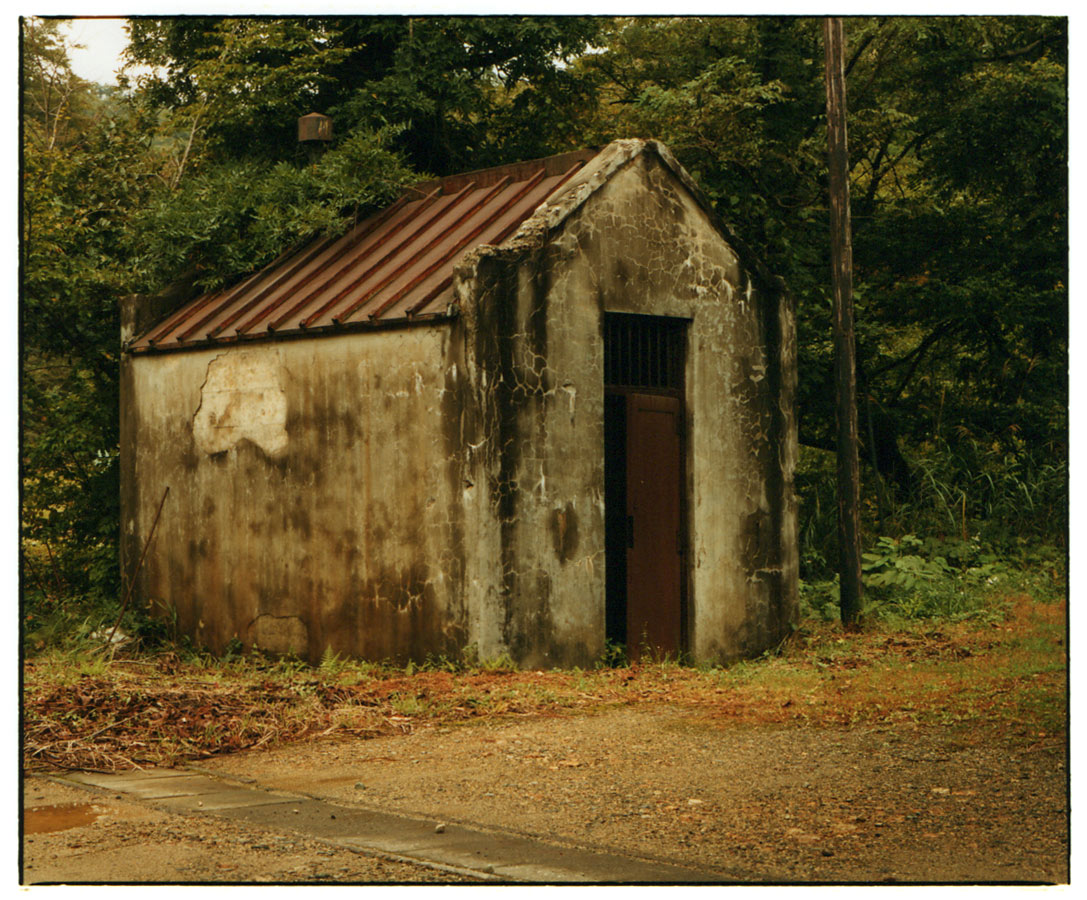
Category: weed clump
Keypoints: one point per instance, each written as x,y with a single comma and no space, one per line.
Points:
911,578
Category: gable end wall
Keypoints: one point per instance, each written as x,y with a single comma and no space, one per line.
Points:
638,243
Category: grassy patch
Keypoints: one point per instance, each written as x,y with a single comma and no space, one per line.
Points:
1007,673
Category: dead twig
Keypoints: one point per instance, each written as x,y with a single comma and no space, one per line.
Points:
113,724
132,583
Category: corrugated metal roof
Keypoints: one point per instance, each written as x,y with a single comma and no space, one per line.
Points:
395,267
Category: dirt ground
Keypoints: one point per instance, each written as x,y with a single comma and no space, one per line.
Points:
102,839
755,803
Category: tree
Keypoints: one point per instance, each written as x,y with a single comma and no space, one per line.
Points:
406,96
83,167
463,92
958,160
845,387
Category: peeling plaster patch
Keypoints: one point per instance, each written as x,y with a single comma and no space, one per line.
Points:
242,398
571,393
279,634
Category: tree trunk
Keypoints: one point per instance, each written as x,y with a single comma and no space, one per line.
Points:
841,246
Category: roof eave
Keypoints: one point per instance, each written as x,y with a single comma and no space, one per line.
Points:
449,314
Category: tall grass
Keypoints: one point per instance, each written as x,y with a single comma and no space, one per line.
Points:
1001,493
1000,490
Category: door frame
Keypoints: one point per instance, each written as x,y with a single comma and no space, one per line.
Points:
646,354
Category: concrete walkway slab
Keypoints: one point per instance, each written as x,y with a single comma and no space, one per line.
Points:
489,854
153,784
222,799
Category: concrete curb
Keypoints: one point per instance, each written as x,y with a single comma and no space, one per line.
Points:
455,848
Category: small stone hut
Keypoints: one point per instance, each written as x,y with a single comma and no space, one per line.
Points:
525,410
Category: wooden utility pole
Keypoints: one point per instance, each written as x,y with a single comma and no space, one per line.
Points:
841,251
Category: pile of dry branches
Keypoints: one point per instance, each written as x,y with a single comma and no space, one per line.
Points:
128,719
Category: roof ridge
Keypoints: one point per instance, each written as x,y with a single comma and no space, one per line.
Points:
557,164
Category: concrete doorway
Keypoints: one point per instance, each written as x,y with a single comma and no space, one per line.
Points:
644,497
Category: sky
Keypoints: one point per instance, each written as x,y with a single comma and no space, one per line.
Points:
100,57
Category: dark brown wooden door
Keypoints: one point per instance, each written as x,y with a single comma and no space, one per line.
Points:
654,524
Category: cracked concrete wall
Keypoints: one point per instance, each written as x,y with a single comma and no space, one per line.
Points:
315,493
644,245
627,237
534,367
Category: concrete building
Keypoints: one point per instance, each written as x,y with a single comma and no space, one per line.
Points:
522,410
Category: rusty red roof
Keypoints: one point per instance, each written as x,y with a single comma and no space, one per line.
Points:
395,267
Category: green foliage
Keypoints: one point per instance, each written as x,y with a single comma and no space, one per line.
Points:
818,514
468,92
947,579
911,578
468,660
66,627
501,663
229,219
892,564
331,664
820,599
613,657
85,164
1000,488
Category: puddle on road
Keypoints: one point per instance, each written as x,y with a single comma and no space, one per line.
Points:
43,819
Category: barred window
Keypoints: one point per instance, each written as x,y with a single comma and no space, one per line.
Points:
643,351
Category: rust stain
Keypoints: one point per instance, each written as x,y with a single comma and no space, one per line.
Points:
564,532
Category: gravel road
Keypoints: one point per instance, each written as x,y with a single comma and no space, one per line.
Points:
755,803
